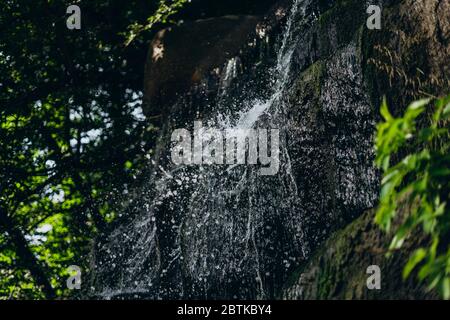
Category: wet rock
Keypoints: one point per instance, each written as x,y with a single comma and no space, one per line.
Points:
224,232
339,269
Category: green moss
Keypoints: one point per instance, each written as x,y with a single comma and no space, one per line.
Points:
331,278
309,82
305,96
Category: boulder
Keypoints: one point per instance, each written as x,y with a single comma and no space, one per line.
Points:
180,57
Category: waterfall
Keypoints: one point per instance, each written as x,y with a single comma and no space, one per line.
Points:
219,231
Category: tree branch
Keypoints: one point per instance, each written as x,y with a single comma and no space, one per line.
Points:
27,258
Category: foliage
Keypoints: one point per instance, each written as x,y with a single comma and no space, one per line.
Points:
166,9
415,189
72,134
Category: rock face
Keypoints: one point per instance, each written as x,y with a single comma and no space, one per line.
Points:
181,57
309,69
404,62
409,58
339,269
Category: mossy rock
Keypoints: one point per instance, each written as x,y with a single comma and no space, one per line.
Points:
338,269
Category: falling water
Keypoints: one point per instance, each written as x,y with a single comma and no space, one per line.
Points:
217,231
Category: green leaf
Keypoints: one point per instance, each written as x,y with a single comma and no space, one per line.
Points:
445,288
387,189
435,281
390,176
397,242
385,111
419,104
446,113
414,260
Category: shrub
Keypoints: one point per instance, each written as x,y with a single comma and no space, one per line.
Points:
415,162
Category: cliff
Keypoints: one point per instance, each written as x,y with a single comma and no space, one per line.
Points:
314,71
